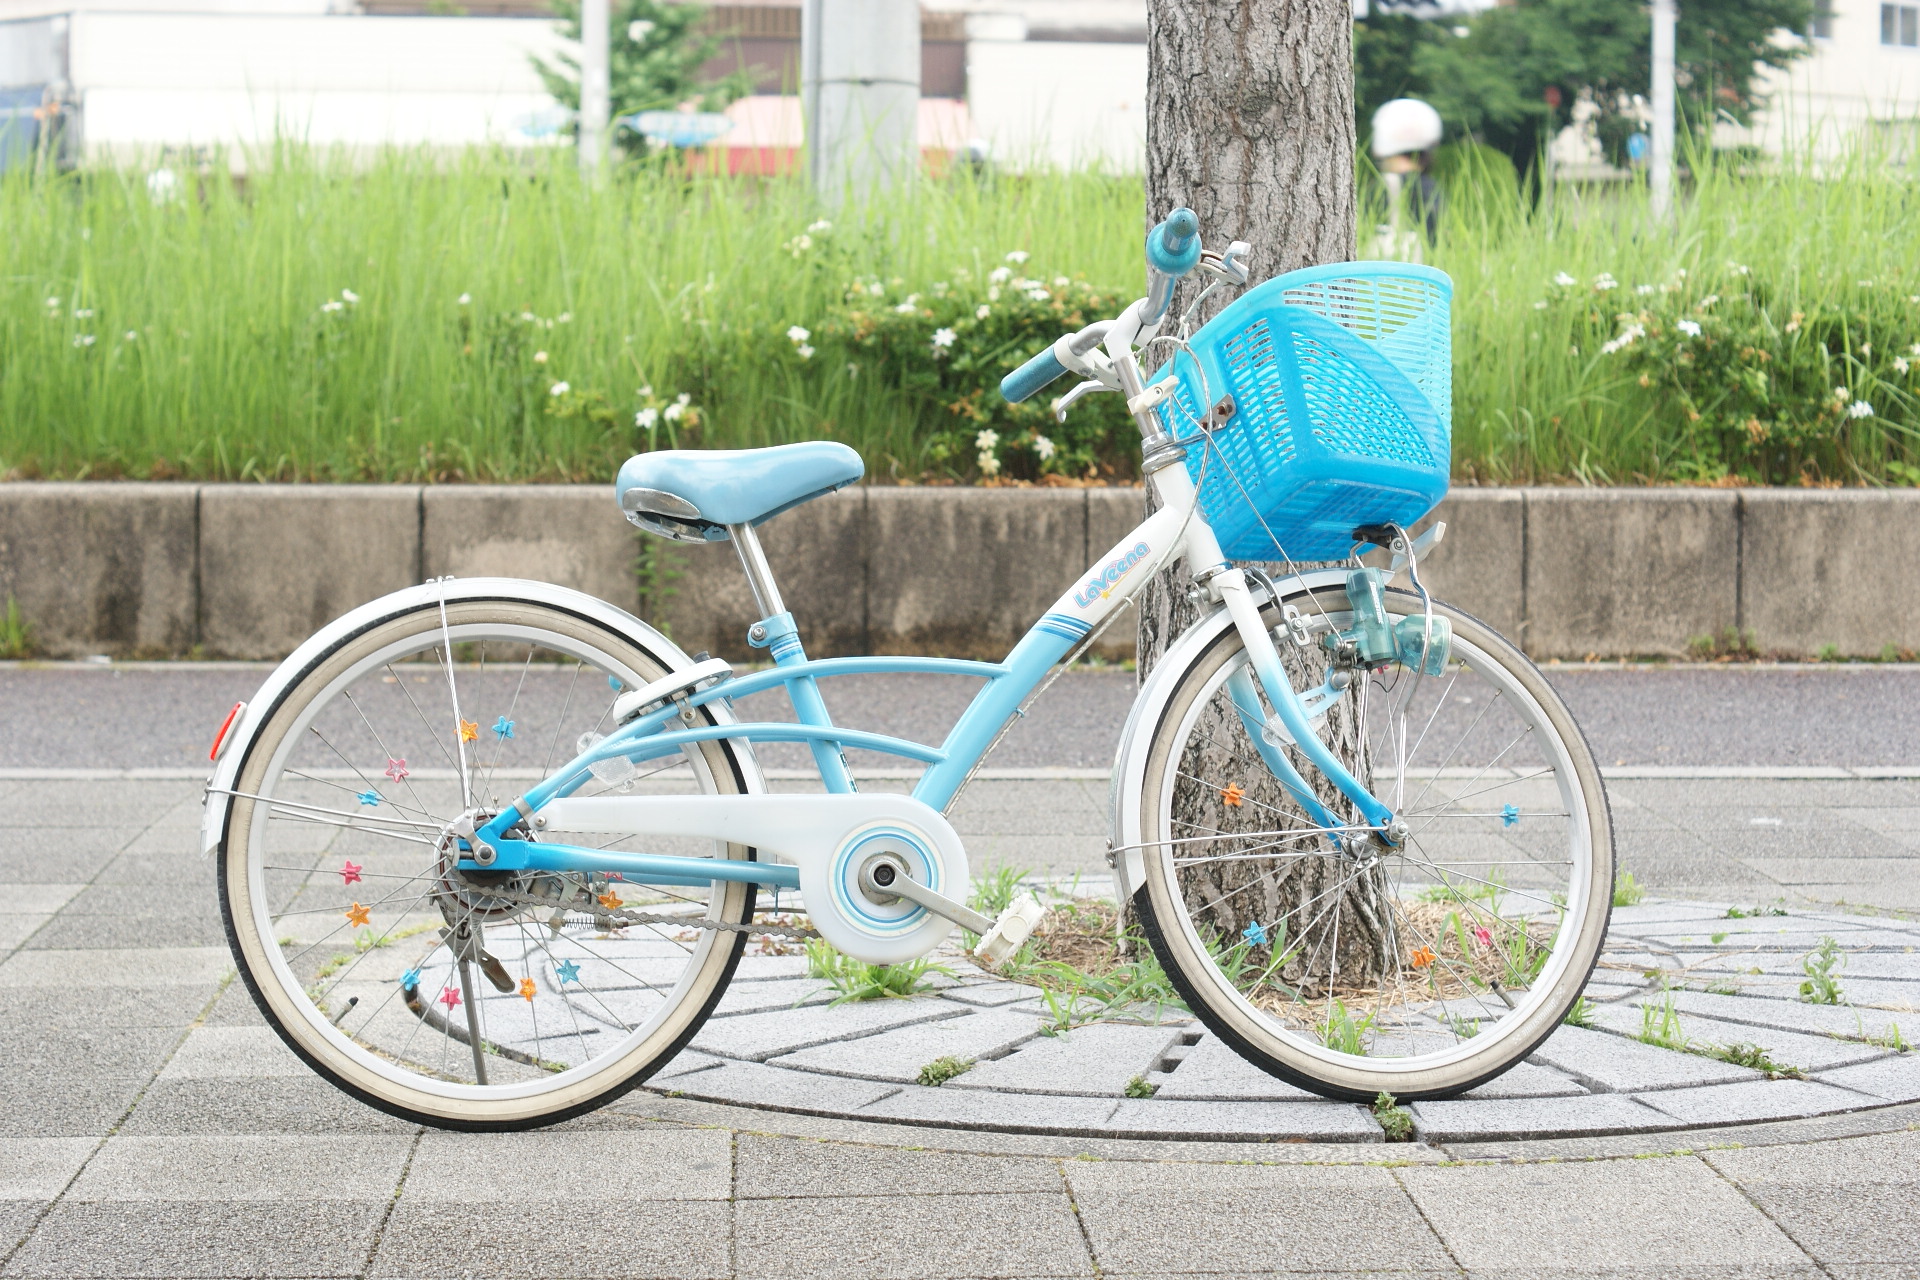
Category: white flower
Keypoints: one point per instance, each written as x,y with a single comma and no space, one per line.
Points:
645,392
804,351
1840,395
798,334
943,338
1627,338
1707,301
1540,306
565,317
559,389
52,303
1605,281
876,289
816,228
82,339
1564,280
539,357
1039,295
982,311
1739,270
998,275
1859,409
463,300
1900,364
84,313
905,308
1042,446
798,245
646,418
1018,256
986,439
1061,282
1643,289
333,305
989,464
1689,327
683,399
1914,350
131,336
1866,348
348,295
674,412
993,294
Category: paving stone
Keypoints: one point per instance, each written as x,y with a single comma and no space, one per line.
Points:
42,899
1753,1101
1211,1071
39,1168
1614,1064
159,967
1895,1079
16,929
1789,1015
925,1238
772,994
1788,1048
1479,1121
69,1107
316,1237
72,932
1098,1059
899,1054
1669,1216
1851,1222
1316,1121
759,1036
232,1053
1525,1080
1208,1217
56,1008
576,1168
947,1107
271,1105
1891,1158
245,1167
16,1220
991,993
755,1085
82,1053
776,1167
634,1238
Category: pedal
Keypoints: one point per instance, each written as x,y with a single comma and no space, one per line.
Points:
1015,925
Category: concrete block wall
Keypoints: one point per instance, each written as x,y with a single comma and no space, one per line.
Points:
247,571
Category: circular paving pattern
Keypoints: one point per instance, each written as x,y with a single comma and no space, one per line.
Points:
1720,986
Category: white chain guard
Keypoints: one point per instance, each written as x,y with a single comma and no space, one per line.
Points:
827,837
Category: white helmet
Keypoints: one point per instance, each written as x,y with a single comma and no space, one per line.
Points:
1403,126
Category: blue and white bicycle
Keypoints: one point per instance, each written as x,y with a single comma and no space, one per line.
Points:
490,850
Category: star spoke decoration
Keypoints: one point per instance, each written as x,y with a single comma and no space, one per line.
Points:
1509,815
1255,934
358,916
568,971
411,979
350,874
503,728
369,797
397,769
610,900
527,989
469,730
449,996
1235,795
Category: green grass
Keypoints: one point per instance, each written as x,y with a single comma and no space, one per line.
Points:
941,1070
1821,986
309,324
1627,892
857,980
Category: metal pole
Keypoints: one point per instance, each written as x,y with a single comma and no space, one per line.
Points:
860,91
594,91
1660,161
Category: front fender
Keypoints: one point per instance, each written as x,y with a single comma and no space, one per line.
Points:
263,704
1124,788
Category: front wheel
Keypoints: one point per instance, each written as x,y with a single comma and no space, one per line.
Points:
466,999
1351,967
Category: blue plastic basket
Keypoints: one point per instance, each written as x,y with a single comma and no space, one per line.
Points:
1341,382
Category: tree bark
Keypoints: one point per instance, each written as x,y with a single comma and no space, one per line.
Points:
1250,124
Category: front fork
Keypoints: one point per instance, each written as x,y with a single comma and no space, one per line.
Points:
1229,585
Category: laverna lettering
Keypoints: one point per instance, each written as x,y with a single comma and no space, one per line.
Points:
1100,584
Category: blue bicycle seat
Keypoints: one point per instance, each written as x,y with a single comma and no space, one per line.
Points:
693,494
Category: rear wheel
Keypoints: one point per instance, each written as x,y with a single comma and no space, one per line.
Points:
479,1000
1419,971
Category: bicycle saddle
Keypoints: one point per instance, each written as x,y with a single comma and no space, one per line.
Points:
693,494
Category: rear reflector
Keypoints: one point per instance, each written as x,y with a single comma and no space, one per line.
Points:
226,726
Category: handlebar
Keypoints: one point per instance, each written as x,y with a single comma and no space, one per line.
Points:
1173,247
1032,377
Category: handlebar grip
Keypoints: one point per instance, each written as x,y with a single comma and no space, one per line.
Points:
1032,377
1173,247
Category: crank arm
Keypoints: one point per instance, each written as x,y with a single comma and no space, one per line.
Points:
889,878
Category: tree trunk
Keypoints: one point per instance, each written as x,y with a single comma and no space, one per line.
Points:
1250,124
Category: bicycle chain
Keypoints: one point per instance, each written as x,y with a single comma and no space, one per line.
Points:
626,916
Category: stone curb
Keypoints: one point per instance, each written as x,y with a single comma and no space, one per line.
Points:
246,571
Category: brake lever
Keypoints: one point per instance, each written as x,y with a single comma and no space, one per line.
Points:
1065,402
1228,268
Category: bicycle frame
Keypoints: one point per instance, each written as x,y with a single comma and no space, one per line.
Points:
1175,531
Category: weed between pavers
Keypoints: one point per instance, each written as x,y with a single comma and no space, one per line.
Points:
1395,1121
858,980
1141,1087
1753,913
1660,1027
941,1070
1627,892
1821,987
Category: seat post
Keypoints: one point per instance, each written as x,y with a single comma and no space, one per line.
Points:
759,574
